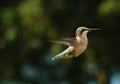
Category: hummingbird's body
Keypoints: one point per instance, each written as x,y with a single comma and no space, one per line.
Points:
77,45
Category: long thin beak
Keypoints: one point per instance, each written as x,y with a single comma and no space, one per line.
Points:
94,29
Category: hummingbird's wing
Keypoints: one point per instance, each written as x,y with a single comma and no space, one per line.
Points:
60,41
63,55
69,39
65,41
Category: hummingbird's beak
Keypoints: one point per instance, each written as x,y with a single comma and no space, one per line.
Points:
94,29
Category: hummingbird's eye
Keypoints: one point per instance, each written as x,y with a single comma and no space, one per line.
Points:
82,31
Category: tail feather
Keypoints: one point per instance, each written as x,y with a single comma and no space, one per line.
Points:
63,55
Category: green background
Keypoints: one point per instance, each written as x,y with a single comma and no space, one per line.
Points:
25,56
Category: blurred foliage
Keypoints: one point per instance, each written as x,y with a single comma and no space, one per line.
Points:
25,56
109,7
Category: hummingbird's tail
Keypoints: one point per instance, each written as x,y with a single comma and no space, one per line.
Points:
63,55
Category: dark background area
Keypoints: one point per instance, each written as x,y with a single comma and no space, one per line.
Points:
25,56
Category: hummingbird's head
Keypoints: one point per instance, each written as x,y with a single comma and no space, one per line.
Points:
85,30
80,30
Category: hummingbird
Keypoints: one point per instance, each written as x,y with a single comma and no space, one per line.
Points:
76,45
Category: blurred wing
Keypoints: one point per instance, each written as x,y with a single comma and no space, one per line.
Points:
70,40
60,41
65,41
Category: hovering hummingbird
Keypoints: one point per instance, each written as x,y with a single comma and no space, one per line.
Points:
76,45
